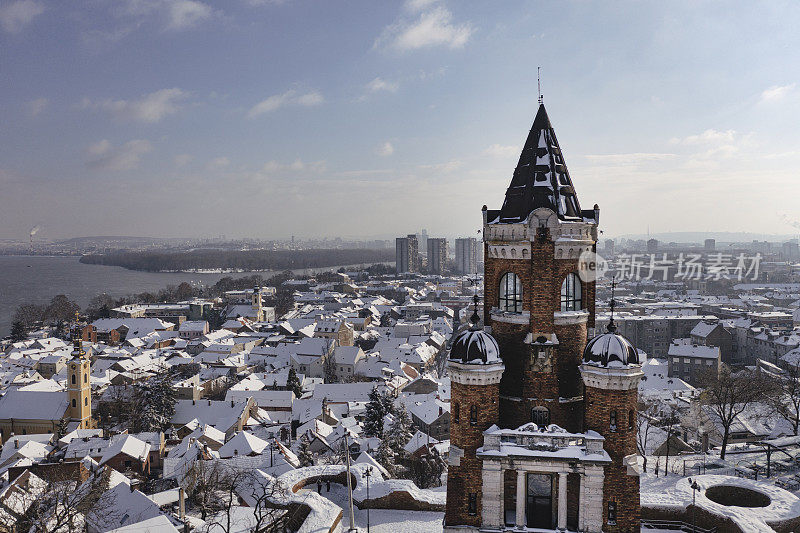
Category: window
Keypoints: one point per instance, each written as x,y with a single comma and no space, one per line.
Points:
613,420
86,378
540,416
456,413
473,415
571,293
73,379
631,419
86,401
472,504
510,293
74,403
612,513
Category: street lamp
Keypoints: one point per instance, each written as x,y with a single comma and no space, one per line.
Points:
368,474
695,487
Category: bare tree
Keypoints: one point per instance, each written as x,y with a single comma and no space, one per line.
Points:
66,504
785,399
727,395
646,417
226,487
329,362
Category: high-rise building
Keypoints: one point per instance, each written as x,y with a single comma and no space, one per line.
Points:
710,245
534,406
652,245
467,255
422,239
437,255
407,254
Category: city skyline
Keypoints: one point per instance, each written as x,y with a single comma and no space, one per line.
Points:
266,119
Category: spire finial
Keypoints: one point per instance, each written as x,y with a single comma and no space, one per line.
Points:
539,83
611,326
475,318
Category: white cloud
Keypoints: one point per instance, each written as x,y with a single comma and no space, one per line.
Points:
181,160
498,150
37,106
99,148
434,27
777,92
176,14
183,14
386,149
379,84
634,158
415,6
218,163
710,136
15,16
447,167
109,158
273,167
290,97
149,108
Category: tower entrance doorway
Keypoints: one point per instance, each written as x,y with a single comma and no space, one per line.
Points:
540,501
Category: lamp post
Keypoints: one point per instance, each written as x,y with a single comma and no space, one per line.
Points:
368,474
695,487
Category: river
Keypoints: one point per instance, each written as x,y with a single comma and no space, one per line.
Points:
36,279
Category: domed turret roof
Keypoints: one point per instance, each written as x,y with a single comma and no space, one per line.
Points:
610,349
475,346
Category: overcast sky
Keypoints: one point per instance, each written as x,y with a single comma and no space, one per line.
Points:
267,118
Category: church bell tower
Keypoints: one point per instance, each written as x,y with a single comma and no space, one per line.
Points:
79,390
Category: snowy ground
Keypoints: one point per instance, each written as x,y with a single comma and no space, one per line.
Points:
383,520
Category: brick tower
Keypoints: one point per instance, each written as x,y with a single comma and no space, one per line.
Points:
475,369
611,373
538,307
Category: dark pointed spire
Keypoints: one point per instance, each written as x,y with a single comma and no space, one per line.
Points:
541,178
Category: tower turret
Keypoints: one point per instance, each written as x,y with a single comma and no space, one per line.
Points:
611,372
475,369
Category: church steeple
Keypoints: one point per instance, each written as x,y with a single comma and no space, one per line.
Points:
541,178
79,389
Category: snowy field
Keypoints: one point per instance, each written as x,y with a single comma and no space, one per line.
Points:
384,520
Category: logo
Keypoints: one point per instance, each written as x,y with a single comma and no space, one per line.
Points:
591,266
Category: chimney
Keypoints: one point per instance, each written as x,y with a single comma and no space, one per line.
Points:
134,484
209,403
231,403
440,410
16,444
182,503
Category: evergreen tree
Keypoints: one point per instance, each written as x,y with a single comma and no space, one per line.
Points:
400,431
385,456
304,452
155,399
374,413
18,331
294,383
427,471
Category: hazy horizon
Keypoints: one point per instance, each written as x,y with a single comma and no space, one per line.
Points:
258,118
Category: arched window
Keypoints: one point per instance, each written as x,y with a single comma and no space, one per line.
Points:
613,420
456,413
571,293
473,415
631,419
510,293
74,403
86,378
73,379
86,401
540,416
